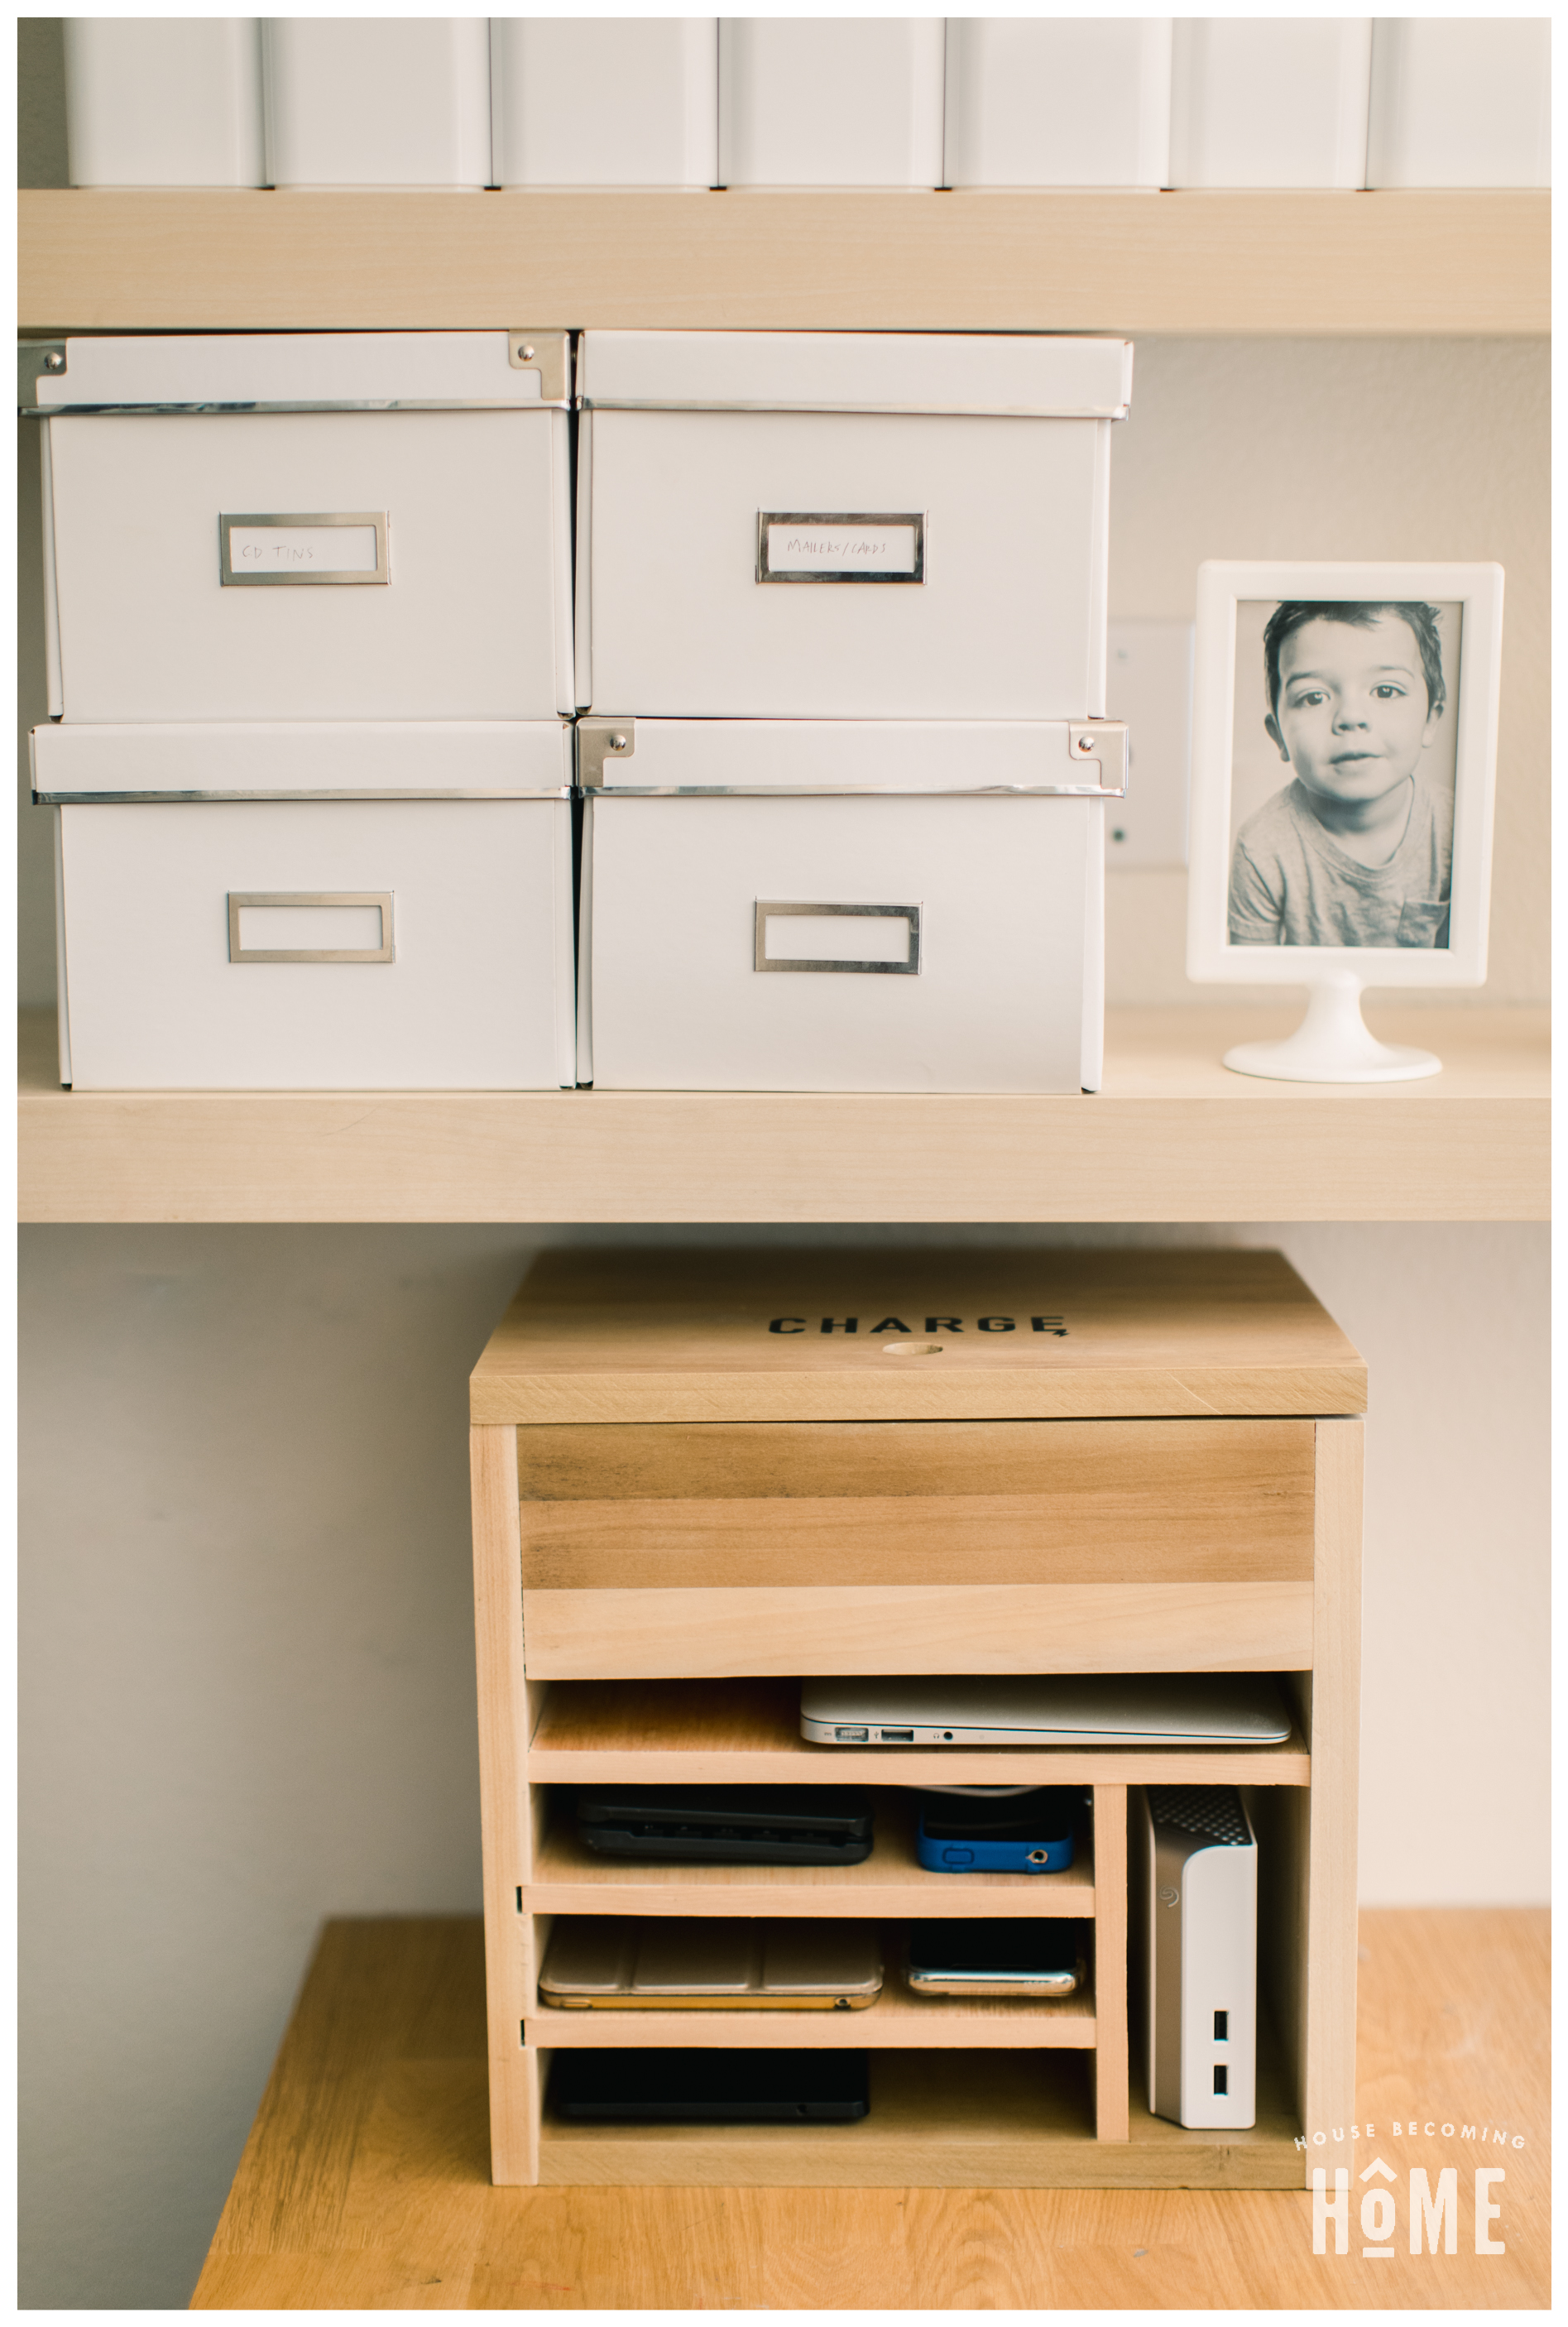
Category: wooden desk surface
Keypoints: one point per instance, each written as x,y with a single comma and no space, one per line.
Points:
364,2184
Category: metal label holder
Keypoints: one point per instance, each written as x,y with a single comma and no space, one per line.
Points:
317,519
880,520
240,898
772,909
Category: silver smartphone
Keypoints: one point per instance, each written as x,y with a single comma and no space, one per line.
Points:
1021,1958
673,1963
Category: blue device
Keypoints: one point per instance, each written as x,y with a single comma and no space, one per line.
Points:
1026,1831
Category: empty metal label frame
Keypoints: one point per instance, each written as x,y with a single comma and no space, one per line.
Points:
319,915
888,938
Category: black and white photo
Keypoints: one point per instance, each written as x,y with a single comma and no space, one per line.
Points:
1343,773
1344,755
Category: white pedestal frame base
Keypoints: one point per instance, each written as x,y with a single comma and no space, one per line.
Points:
1332,1044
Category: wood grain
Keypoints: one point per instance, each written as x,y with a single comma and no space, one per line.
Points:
711,1334
570,1879
1335,1739
998,260
1171,1136
364,2185
506,1830
747,1731
868,1627
1111,1966
670,1505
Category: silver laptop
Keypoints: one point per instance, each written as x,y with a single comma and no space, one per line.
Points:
1055,1709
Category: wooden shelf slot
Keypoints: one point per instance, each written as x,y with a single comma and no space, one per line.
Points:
570,1879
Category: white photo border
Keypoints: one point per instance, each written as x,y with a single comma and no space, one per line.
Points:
1223,583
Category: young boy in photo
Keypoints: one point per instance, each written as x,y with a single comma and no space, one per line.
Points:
1358,849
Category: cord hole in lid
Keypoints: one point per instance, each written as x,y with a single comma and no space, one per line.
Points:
912,1349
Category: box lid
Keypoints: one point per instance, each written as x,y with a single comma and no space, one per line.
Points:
704,757
305,760
721,1334
1034,375
274,371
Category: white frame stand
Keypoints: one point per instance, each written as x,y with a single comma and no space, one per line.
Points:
1332,1043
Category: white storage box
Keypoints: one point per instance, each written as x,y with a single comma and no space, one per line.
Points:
313,908
875,906
953,489
604,100
1270,101
830,101
164,100
1058,102
1460,101
417,483
376,100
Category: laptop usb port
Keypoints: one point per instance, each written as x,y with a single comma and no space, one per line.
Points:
896,1736
852,1737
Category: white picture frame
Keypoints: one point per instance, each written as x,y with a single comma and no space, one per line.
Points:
1459,652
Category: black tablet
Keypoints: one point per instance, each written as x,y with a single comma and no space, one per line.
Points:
674,2087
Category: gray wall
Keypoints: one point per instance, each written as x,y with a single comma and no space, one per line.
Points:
247,1649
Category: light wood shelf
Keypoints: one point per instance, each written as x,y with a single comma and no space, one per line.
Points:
975,2119
1286,260
569,1880
1171,1137
748,1732
898,2018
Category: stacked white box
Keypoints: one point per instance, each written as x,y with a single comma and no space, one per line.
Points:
309,644
977,469
1058,102
1460,101
866,905
164,100
1270,101
830,101
846,836
433,455
376,100
604,100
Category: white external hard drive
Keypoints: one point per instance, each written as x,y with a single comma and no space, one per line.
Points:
1196,1857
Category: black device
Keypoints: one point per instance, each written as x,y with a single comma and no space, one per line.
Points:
674,2087
735,1826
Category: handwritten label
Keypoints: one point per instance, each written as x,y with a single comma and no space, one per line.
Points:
302,549
842,549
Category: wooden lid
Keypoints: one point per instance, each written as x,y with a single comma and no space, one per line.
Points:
763,1335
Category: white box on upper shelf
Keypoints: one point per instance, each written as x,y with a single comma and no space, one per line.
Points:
604,100
952,490
1270,100
830,101
164,100
1460,101
313,907
376,100
1058,102
875,906
403,497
